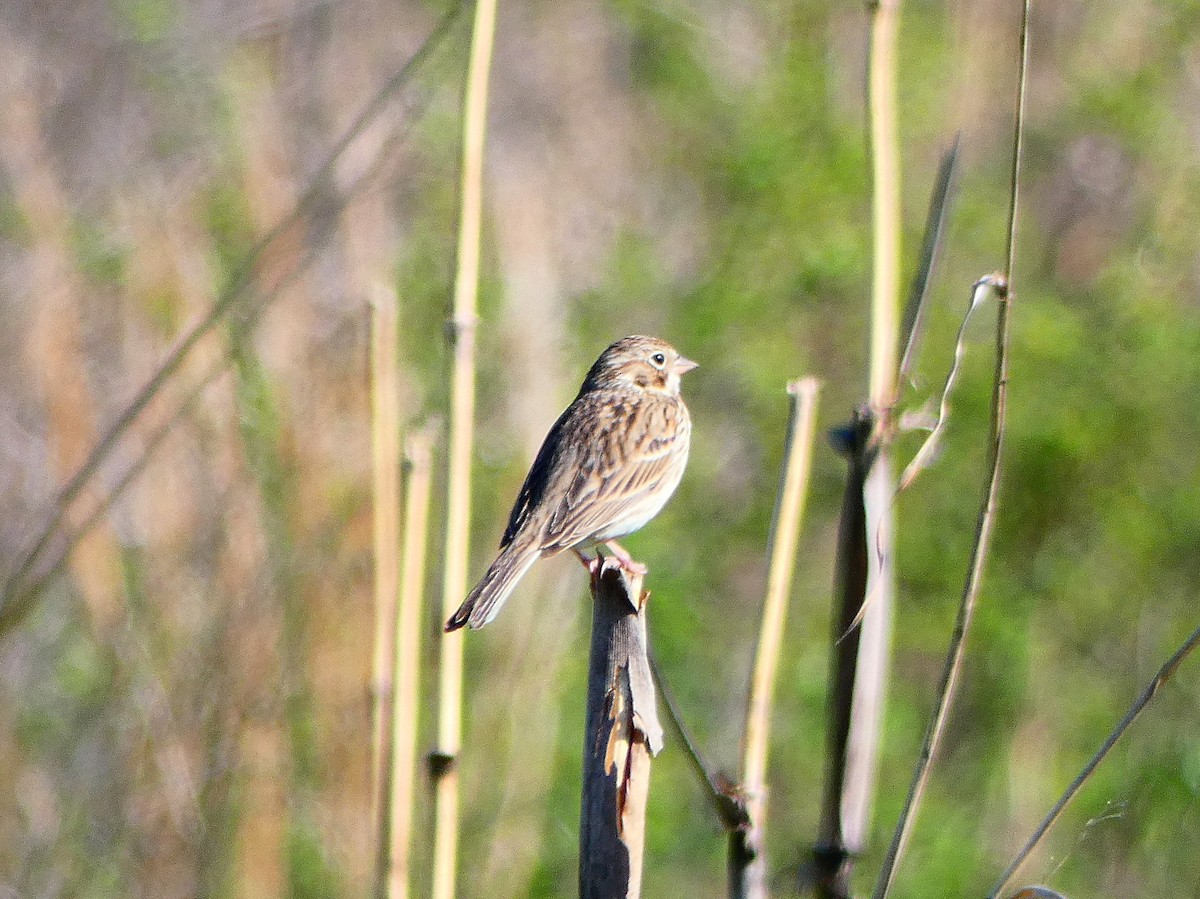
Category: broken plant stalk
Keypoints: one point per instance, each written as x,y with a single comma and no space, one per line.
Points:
621,735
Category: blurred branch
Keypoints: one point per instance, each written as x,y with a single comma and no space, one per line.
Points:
15,607
1002,284
747,861
385,476
16,586
461,334
621,736
1165,673
407,660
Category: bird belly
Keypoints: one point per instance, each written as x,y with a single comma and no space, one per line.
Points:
637,519
640,514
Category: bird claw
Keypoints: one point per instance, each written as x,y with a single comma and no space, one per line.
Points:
620,560
593,565
626,561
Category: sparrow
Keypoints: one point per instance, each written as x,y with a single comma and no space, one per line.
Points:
608,466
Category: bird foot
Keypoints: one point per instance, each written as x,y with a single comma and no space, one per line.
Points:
592,564
627,561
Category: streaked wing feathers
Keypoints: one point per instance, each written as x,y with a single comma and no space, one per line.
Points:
606,461
550,458
623,461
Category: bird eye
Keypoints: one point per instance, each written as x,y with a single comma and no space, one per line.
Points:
659,360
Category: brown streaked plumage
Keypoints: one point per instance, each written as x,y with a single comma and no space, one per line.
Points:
608,466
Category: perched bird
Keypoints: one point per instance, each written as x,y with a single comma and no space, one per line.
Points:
608,466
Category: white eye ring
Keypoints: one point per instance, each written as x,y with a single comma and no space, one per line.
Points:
658,360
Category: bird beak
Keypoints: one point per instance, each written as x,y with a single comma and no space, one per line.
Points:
684,364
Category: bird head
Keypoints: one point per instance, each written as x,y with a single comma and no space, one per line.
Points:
645,362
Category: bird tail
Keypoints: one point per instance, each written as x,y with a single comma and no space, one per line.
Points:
489,594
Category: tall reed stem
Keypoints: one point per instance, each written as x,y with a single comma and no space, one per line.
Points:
885,202
747,861
385,474
462,413
1001,285
867,697
407,662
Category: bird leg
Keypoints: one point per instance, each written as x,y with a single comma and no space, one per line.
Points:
626,560
592,565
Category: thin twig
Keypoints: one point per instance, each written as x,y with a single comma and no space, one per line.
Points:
1010,249
726,797
747,877
241,280
461,333
957,649
1165,673
987,514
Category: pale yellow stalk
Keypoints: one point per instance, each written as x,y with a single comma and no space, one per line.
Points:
462,413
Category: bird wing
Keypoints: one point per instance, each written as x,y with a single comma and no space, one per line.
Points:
536,482
586,480
612,480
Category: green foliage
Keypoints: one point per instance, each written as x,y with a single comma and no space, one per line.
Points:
310,874
746,244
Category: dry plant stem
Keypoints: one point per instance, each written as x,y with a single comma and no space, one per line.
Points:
385,475
240,283
1165,673
925,455
874,637
621,735
935,222
407,663
462,414
747,861
1010,253
831,868
885,200
1002,283
953,666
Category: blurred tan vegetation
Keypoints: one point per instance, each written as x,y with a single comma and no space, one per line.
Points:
184,707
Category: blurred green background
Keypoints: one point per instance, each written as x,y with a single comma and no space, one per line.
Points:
184,710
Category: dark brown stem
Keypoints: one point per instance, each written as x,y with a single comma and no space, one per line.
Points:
831,857
621,735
